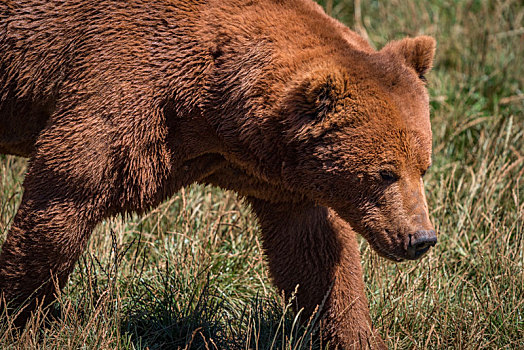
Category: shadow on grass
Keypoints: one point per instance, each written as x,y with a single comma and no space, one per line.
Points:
161,319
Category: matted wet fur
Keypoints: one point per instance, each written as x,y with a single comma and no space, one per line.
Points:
120,104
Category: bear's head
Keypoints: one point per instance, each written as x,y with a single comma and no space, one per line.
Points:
358,139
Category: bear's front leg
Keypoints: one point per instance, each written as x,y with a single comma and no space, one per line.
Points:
310,246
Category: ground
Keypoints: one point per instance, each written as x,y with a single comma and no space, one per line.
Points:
194,276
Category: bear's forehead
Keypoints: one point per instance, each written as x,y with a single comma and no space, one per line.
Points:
413,108
391,76
390,90
408,95
392,144
400,102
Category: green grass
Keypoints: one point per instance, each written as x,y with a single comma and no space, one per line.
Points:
190,274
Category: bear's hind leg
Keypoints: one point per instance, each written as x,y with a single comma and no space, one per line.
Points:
76,177
59,209
49,233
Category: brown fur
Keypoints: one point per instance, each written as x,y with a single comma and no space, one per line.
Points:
120,104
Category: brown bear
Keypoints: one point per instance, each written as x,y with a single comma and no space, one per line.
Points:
120,104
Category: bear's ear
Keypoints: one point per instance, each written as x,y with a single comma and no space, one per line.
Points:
319,92
417,53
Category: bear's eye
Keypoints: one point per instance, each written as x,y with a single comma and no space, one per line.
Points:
388,176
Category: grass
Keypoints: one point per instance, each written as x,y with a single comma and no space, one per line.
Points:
190,274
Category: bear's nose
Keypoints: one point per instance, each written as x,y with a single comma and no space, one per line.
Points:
420,242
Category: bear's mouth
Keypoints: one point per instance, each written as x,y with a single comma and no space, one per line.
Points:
385,253
392,249
389,256
419,253
398,254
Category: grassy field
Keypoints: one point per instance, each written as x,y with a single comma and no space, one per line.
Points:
190,274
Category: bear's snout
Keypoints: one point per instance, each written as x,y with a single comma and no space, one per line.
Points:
420,242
